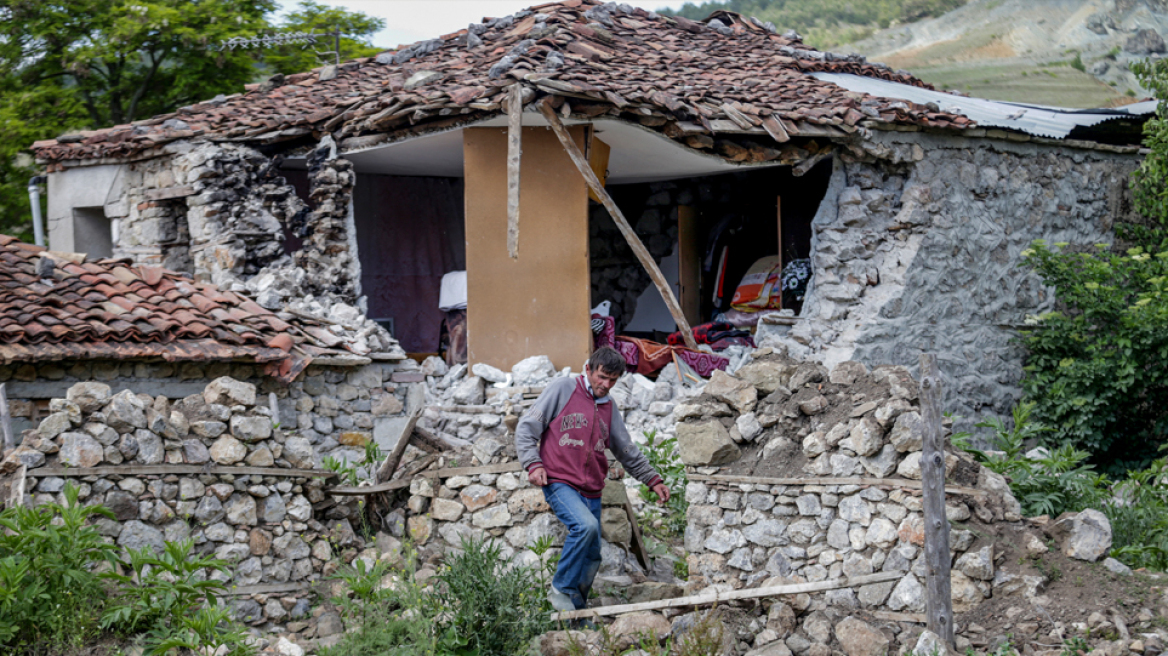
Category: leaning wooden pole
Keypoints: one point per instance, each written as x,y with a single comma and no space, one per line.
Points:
622,223
939,597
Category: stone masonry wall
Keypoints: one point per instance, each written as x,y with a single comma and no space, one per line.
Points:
779,419
917,248
335,408
271,528
220,212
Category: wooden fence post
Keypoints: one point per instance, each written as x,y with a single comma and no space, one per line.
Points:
939,597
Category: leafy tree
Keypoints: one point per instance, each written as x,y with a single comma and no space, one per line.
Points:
1098,369
826,23
68,65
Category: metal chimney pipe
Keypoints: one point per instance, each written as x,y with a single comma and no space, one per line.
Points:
34,199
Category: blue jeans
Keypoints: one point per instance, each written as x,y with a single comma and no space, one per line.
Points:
580,558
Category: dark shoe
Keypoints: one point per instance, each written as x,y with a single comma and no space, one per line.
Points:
583,624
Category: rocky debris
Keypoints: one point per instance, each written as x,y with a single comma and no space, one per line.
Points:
1085,535
706,443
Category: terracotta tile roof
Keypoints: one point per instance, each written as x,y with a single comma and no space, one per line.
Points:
58,305
682,75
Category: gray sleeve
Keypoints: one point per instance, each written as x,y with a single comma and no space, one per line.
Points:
626,451
535,421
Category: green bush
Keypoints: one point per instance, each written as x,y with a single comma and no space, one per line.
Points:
172,600
1061,481
50,594
497,608
479,605
662,454
1098,368
1139,518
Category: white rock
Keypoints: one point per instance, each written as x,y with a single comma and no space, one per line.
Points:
535,369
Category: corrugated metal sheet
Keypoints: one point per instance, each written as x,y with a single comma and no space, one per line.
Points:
1042,121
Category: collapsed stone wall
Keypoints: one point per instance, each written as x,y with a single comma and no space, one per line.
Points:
329,254
221,212
918,248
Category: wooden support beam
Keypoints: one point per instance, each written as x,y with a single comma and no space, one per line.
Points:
621,222
385,471
638,542
514,157
890,616
938,593
902,483
397,484
436,441
163,470
719,597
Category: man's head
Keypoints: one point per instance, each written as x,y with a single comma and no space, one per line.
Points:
604,368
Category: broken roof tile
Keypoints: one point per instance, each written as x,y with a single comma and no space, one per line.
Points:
603,52
113,311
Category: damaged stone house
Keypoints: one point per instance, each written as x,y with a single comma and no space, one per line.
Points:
346,193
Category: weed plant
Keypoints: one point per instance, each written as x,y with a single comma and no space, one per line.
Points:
1062,481
171,600
50,594
1058,482
662,454
478,605
60,587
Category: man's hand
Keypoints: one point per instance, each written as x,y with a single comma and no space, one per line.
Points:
662,492
538,477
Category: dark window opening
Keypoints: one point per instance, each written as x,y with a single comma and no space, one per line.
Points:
410,232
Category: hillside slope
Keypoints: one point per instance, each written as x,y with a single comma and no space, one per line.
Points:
1071,53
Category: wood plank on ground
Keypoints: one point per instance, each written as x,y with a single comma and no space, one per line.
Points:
733,595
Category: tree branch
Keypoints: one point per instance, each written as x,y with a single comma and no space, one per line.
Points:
155,63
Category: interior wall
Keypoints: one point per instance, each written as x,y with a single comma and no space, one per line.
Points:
410,232
537,304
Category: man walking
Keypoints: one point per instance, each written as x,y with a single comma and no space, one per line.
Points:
561,442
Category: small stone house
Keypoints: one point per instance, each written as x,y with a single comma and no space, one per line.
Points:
347,192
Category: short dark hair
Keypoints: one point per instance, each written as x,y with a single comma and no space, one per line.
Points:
608,360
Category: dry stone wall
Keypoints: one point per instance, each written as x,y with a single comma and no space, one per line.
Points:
781,420
272,521
917,248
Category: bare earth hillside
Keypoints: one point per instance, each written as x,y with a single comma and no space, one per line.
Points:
1071,53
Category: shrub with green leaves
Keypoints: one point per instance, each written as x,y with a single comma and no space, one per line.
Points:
496,607
50,593
1097,371
171,598
662,454
1057,482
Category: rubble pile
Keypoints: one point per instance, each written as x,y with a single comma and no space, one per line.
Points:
802,421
